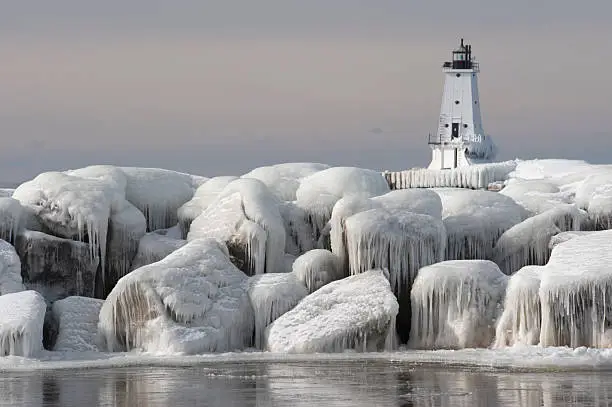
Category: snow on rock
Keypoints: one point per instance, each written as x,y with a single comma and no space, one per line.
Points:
594,194
421,201
537,196
455,304
271,296
318,193
565,236
549,169
56,267
204,196
10,269
284,179
246,216
316,268
10,217
474,220
576,293
77,319
357,312
527,243
520,321
22,317
155,246
194,300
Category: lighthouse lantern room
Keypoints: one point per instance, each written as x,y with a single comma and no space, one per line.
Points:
460,140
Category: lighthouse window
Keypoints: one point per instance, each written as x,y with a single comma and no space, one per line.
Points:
446,125
465,126
475,102
456,102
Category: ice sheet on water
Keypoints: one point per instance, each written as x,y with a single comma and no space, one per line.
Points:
77,319
455,304
22,315
316,268
10,269
194,300
357,312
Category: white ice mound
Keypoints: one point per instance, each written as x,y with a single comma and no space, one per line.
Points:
549,169
565,236
421,201
318,193
594,194
316,268
77,319
357,313
527,243
10,270
155,246
10,217
22,316
474,220
271,296
576,293
455,304
204,196
520,322
284,179
247,218
194,300
537,196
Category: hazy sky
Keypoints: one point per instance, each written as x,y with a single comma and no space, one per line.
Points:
220,87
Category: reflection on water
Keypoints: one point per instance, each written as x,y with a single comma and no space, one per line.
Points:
325,383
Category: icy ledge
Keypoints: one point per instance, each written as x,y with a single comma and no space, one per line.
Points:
357,313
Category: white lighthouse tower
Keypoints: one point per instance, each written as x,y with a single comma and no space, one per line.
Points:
460,140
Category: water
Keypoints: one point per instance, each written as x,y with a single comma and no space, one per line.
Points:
315,383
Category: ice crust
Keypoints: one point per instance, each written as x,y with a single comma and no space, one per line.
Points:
284,179
455,304
22,315
10,270
10,218
316,268
357,313
271,296
193,301
77,319
520,321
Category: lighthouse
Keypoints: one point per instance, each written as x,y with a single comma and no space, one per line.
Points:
460,140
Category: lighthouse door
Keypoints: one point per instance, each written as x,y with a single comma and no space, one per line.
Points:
455,131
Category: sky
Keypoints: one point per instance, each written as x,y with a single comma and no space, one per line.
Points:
221,87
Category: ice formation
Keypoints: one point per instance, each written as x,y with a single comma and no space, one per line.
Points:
204,196
194,300
474,220
565,236
576,293
520,321
357,312
10,270
10,217
455,304
421,201
55,266
527,243
318,193
77,319
247,218
155,246
271,296
284,179
316,268
299,231
21,323
537,196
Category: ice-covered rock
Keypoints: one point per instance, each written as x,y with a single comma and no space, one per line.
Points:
520,321
299,232
155,246
194,300
271,296
56,267
565,236
527,243
204,196
10,217
22,316
247,218
537,196
10,269
357,312
284,179
319,192
316,268
576,293
77,319
455,304
421,201
594,194
474,220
